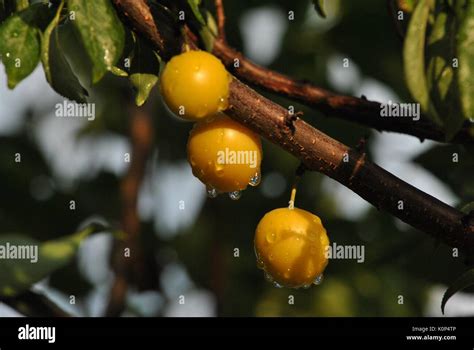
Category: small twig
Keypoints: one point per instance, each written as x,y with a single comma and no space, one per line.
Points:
220,19
298,175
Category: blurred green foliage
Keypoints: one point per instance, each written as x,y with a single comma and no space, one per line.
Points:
42,259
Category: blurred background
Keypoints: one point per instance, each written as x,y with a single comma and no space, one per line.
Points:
191,240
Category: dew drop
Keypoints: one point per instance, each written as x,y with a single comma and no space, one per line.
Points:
277,285
271,237
235,195
212,192
220,139
223,104
219,169
255,180
318,280
268,277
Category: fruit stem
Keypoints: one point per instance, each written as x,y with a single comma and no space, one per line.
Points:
293,195
299,173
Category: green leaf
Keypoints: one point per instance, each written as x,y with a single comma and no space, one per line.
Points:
211,23
123,65
101,32
319,6
466,61
441,76
18,275
194,5
45,43
439,51
118,72
19,46
208,33
63,79
56,67
464,281
414,56
143,83
144,72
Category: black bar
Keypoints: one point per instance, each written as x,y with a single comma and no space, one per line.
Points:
349,331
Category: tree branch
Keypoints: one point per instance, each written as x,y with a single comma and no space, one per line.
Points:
130,10
220,19
353,109
128,269
322,153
